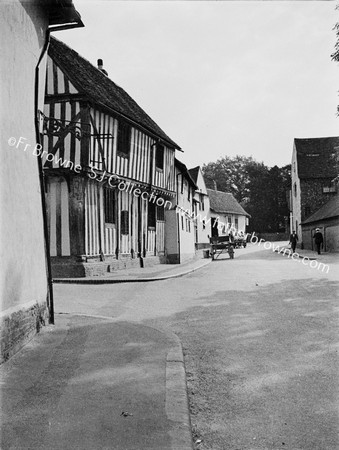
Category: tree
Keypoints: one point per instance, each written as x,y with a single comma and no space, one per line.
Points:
229,175
260,190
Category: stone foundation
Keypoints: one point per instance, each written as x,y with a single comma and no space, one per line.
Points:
69,267
18,327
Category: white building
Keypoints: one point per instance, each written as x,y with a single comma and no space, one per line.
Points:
226,214
202,210
26,295
179,220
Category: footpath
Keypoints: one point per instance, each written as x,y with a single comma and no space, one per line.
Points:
98,383
153,273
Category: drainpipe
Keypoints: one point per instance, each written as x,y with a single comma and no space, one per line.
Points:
50,303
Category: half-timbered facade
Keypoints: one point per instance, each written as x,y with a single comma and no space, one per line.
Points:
109,169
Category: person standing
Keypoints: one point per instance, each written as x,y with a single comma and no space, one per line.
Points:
318,240
293,240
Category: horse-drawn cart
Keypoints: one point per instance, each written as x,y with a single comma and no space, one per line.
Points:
221,244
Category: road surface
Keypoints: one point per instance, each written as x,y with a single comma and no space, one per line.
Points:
260,339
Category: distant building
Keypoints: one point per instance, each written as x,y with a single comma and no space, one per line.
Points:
226,214
201,210
314,169
180,221
26,294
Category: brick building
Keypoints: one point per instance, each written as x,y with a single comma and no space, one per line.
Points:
314,169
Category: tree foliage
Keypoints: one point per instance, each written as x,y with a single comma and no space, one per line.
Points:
261,190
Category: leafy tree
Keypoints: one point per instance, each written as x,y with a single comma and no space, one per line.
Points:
261,190
229,175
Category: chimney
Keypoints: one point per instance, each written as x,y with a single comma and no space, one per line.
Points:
101,66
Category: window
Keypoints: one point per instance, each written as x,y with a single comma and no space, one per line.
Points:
189,226
329,188
202,202
159,157
236,223
124,139
151,215
109,205
160,213
124,222
203,224
295,189
182,222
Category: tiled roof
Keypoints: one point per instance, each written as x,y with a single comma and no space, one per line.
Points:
327,211
317,157
224,202
194,173
183,169
100,89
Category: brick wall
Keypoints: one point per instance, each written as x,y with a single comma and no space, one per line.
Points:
312,196
17,328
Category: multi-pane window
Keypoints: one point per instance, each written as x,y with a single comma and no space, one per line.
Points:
109,205
124,138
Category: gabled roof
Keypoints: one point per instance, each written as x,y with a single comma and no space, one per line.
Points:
194,173
327,211
183,169
100,89
225,203
317,157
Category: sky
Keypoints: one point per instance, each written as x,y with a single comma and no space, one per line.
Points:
220,77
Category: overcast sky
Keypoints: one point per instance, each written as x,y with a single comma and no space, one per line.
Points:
220,78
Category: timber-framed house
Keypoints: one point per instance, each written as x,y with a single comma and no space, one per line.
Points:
109,170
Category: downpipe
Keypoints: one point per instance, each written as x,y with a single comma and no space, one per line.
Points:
50,302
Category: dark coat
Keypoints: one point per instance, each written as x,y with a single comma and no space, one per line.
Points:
293,238
318,238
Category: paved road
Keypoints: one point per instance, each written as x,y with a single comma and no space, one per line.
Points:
260,337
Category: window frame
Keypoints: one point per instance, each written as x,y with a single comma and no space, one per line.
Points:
109,206
124,139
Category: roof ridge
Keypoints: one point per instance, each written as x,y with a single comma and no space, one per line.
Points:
103,91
